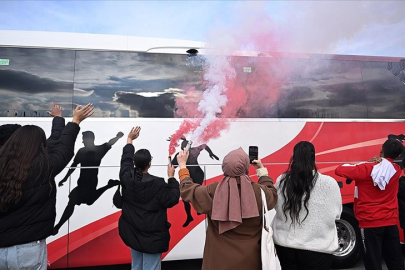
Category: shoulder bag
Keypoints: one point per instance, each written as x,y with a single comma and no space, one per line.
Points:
269,257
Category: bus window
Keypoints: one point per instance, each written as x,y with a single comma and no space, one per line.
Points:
325,89
385,93
123,84
33,78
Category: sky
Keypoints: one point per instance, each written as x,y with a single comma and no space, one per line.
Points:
338,27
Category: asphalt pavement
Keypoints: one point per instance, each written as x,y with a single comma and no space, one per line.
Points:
196,265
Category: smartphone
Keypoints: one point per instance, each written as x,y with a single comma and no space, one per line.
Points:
253,153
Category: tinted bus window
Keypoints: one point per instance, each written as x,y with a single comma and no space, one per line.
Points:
122,84
33,78
126,84
324,89
385,93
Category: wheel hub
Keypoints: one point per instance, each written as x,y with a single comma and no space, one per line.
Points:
346,238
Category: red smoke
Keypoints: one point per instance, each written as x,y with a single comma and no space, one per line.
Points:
255,94
184,129
251,94
186,106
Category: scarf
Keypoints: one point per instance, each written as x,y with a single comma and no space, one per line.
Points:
228,206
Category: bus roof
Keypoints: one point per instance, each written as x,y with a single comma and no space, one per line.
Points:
81,41
101,42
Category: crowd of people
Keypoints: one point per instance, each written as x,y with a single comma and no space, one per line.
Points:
307,203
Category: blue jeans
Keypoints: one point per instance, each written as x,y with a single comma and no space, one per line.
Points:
145,261
32,256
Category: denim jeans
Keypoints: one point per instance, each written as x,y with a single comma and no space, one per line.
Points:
145,261
32,256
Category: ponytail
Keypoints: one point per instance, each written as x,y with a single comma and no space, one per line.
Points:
142,158
138,174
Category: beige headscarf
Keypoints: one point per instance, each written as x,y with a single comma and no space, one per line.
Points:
228,207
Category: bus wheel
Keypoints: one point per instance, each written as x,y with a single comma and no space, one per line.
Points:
349,239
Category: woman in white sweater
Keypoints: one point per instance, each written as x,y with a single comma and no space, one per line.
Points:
308,205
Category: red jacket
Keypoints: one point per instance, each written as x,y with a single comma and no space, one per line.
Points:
372,207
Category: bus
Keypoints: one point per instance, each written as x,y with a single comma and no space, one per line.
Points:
346,105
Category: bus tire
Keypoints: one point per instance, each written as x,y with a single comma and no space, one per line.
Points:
349,238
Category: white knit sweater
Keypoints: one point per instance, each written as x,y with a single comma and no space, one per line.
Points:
318,231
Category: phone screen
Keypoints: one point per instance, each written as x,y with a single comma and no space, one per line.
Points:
253,153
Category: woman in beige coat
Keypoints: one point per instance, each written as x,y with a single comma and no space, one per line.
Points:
233,207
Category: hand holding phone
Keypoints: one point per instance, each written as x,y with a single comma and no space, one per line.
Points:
253,153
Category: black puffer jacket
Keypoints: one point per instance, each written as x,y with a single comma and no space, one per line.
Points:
143,224
58,124
401,201
33,217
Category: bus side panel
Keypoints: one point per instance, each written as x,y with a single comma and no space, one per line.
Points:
90,237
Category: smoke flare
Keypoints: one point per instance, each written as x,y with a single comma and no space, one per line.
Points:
230,91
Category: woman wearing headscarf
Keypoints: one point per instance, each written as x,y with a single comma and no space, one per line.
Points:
308,205
233,207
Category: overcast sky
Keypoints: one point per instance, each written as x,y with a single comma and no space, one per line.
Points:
342,27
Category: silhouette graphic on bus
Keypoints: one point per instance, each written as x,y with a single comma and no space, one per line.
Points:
196,173
86,191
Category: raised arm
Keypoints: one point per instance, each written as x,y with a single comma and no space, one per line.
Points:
115,139
353,171
266,183
127,164
171,192
58,124
62,152
197,195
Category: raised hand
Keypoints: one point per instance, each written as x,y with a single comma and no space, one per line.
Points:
375,159
55,111
170,171
120,134
182,158
81,113
257,163
133,134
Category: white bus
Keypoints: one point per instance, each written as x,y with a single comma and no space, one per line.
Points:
346,105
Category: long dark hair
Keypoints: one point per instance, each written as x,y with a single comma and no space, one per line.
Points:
142,158
25,148
298,181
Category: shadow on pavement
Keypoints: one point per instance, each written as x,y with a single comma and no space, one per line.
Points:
166,265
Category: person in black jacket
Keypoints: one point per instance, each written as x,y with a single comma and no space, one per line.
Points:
28,191
143,224
401,199
58,124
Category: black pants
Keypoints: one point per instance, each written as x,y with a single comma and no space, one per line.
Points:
299,259
382,241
